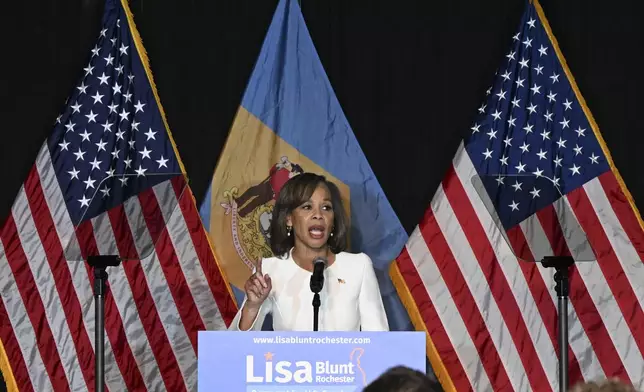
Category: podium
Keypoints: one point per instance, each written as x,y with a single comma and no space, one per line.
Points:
302,361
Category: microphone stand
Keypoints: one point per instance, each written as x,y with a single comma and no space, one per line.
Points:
316,310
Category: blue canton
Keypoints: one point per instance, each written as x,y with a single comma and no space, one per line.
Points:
531,142
110,142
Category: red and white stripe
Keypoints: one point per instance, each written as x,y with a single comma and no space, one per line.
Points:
154,308
493,317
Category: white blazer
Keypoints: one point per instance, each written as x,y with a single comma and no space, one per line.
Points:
350,298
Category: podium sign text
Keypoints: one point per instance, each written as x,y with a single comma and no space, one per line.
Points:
302,361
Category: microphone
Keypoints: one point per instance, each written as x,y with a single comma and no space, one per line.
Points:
317,279
317,282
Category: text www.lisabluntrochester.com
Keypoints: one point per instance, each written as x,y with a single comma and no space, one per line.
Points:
310,340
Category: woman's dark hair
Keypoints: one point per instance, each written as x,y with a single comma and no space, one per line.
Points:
401,379
293,194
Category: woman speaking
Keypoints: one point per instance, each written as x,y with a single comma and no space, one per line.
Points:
309,223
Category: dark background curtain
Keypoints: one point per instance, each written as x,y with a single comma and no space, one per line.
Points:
409,75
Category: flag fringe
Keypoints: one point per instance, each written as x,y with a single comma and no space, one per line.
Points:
138,42
7,372
414,314
589,116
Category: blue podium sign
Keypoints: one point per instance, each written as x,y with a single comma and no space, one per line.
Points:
302,361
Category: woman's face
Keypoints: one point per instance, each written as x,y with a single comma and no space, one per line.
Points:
312,221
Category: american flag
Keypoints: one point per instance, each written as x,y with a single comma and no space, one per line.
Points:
108,180
533,178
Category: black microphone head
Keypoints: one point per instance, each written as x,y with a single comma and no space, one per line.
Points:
317,278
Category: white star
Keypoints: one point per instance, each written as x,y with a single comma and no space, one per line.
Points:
580,131
85,135
110,173
511,121
70,126
82,88
536,89
63,145
548,116
89,183
507,141
107,127
555,181
503,160
561,143
593,158
140,171
510,55
113,39
514,206
554,77
106,191
119,135
116,88
98,98
527,42
124,115
519,82
84,202
531,22
135,125
487,153
532,108
162,162
557,161
567,104
564,123
515,102
101,145
103,32
577,149
151,134
542,154
79,154
539,69
575,169
139,106
516,37
103,78
74,173
475,129
545,135
123,180
95,51
524,63
115,154
109,60
123,49
145,153
551,97
506,75
58,119
520,167
501,94
128,162
113,108
528,128
524,147
76,107
496,115
131,143
96,164
482,108
131,77
127,96
500,180
538,173
517,185
492,134
535,192
119,69
543,51
91,117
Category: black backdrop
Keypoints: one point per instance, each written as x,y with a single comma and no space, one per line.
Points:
409,75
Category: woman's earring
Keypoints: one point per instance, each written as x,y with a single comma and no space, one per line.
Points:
331,234
288,230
